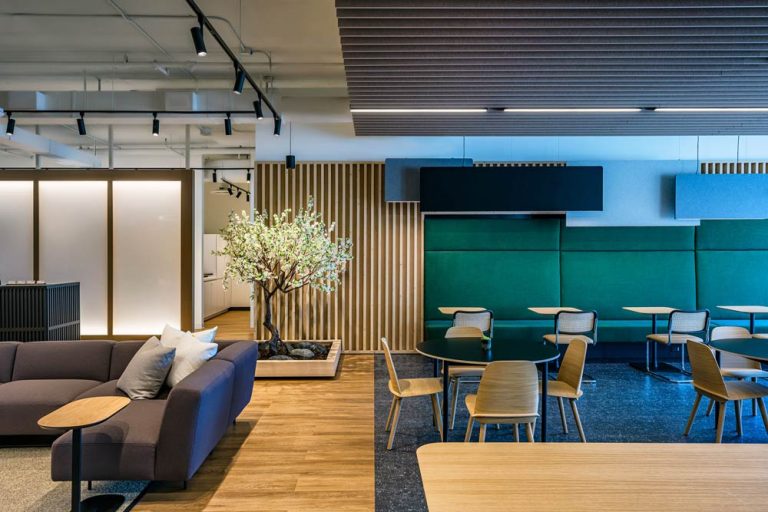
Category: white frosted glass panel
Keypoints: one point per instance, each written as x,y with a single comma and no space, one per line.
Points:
16,230
73,244
146,256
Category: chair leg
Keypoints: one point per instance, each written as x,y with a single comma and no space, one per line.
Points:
647,356
393,426
682,357
737,406
389,417
454,402
720,423
693,413
516,429
470,424
562,414
754,401
578,421
761,405
529,432
483,427
710,407
436,414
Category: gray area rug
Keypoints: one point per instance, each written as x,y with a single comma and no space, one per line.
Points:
26,485
624,406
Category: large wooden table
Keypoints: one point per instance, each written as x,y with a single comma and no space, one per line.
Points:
575,477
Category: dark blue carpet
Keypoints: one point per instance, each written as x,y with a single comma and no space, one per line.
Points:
623,406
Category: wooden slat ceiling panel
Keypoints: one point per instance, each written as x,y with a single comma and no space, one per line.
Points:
556,53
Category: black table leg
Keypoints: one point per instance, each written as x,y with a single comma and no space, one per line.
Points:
544,385
77,453
445,400
436,367
751,323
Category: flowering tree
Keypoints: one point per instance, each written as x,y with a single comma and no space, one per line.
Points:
283,256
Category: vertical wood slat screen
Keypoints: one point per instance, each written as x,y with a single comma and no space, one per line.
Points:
381,291
734,167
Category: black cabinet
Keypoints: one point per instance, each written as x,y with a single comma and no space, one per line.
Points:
40,312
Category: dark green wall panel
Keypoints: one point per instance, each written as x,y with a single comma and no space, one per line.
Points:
732,235
628,239
491,234
506,282
728,278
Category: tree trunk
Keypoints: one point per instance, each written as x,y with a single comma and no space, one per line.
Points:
275,343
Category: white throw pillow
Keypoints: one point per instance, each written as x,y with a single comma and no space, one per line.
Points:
171,336
191,354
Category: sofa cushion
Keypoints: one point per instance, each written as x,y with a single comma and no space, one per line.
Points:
108,388
122,353
23,402
121,448
146,373
7,357
88,360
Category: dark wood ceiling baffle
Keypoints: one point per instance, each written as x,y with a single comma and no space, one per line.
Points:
556,54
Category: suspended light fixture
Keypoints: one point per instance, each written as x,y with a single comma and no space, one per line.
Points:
228,124
155,124
10,126
258,109
278,125
239,81
290,158
198,40
81,124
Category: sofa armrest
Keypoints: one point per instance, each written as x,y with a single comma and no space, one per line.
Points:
243,355
7,356
196,417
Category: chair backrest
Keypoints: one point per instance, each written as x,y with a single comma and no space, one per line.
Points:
706,373
393,381
728,360
572,322
689,322
483,320
464,332
572,367
508,388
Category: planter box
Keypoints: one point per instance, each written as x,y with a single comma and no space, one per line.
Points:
268,368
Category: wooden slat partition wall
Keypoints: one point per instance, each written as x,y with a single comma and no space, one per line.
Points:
734,167
381,291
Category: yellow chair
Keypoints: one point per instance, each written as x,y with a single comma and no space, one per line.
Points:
734,366
408,388
709,382
568,383
508,394
462,374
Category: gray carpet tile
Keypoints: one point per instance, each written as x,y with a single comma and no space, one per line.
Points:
623,406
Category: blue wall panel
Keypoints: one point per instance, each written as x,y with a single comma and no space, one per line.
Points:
721,196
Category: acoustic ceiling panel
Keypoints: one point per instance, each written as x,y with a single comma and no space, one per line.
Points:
498,54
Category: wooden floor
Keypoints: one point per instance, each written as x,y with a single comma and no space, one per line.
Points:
300,445
233,325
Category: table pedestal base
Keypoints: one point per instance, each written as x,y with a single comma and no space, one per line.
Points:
102,503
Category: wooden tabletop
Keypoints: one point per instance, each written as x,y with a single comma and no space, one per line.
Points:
746,309
450,310
575,477
553,310
84,412
650,310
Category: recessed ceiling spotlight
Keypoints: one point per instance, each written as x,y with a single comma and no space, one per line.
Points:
81,124
239,81
418,110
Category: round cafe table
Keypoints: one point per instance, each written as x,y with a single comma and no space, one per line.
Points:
463,351
751,348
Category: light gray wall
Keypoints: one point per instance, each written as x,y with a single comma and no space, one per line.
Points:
218,207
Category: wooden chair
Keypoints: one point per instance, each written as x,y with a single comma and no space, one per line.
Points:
483,320
570,326
465,373
568,383
408,388
508,394
709,382
734,366
683,325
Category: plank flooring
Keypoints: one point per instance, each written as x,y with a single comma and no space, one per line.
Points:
300,445
233,325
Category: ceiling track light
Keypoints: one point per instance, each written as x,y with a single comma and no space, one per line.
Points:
81,124
198,39
239,81
10,126
228,125
239,193
214,178
257,107
248,175
230,191
278,125
155,124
